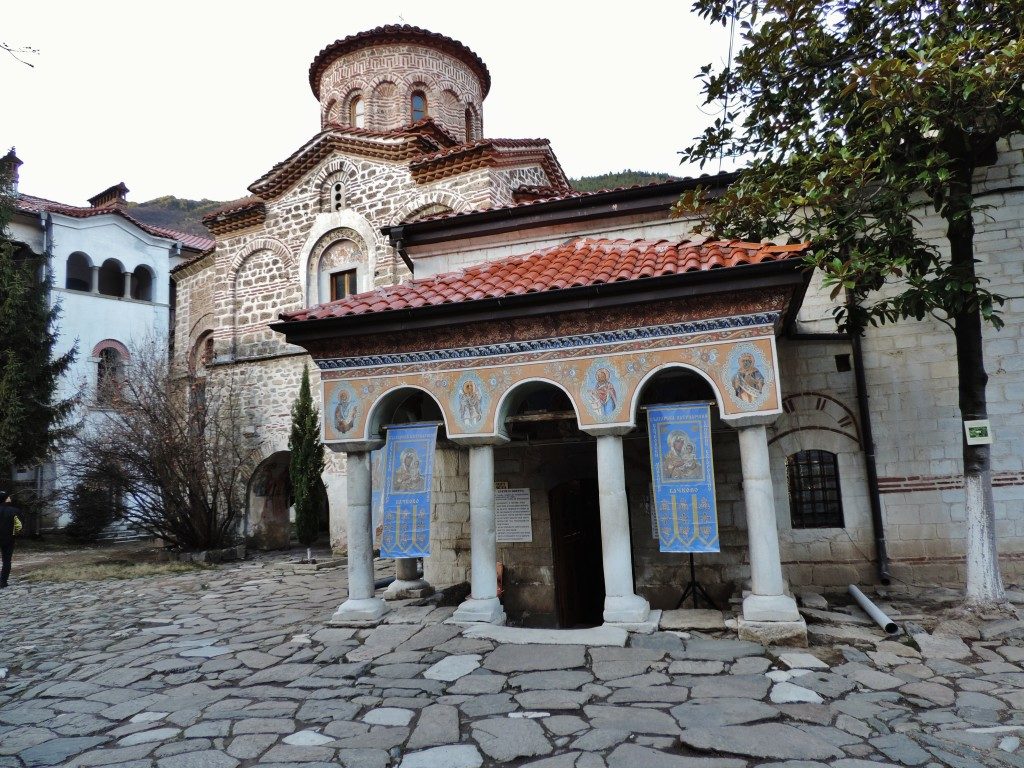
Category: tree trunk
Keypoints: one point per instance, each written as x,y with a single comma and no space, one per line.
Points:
984,582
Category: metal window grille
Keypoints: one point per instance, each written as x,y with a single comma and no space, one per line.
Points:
814,497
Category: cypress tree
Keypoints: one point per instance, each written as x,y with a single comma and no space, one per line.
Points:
32,417
306,464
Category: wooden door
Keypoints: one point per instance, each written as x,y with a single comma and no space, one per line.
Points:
576,549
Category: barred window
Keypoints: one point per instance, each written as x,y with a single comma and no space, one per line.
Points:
814,498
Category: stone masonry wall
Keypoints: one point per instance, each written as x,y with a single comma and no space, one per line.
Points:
912,383
449,85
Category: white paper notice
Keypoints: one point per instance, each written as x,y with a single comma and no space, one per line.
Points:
512,514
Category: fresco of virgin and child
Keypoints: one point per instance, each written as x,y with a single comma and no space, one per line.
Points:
680,462
408,478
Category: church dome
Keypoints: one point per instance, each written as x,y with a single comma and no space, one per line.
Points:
389,77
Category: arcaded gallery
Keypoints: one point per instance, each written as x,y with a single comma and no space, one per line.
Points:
520,401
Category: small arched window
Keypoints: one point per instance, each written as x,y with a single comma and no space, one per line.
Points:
814,498
419,105
470,136
78,275
357,112
142,284
109,375
112,278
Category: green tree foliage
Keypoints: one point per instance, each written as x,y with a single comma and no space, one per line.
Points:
626,178
32,417
175,213
306,464
852,116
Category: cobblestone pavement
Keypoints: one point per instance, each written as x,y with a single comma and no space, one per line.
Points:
236,667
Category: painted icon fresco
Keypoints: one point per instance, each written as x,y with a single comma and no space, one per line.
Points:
680,460
470,401
344,409
748,377
603,391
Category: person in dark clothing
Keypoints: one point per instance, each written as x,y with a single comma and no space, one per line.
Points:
8,515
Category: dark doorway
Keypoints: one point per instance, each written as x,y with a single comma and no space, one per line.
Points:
576,547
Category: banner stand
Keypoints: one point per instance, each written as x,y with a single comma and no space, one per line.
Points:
694,588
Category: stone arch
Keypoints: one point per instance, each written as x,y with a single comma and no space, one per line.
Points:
110,344
471,117
339,170
329,112
78,272
339,249
815,421
391,399
260,244
410,210
256,300
515,394
339,220
638,391
344,116
383,103
450,106
267,522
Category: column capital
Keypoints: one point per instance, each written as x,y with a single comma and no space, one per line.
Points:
754,420
479,440
355,446
600,430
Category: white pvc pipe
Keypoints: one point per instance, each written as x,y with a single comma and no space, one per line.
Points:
874,611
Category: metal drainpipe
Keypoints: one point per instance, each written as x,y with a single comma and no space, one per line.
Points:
868,440
871,467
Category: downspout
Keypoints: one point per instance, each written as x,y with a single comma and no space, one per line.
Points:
870,464
397,236
867,440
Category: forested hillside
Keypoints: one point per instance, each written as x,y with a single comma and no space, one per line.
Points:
187,215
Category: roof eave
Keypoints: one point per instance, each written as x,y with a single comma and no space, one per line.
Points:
602,205
780,274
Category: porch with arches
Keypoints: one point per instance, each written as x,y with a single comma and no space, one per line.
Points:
562,413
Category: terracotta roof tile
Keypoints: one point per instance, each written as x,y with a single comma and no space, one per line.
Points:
577,263
32,204
396,33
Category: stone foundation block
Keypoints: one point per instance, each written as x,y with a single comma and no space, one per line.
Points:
791,633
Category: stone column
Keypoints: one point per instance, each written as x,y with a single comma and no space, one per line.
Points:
127,285
621,604
769,614
482,605
361,605
94,284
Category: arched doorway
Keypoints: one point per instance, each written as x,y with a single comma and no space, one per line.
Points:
659,576
556,578
270,513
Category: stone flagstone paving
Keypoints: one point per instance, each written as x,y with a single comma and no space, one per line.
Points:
236,667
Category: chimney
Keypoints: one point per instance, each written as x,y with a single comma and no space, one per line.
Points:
113,197
10,165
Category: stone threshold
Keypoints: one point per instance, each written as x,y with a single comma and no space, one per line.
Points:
603,635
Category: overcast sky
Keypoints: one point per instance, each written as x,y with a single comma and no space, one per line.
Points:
198,99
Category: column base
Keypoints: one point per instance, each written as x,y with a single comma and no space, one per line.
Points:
626,609
791,633
400,589
770,608
360,613
473,611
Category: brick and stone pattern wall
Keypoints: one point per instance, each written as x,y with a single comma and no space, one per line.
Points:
385,77
912,382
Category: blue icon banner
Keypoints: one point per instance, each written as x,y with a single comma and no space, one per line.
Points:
683,472
405,496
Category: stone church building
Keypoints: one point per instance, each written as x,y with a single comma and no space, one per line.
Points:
434,274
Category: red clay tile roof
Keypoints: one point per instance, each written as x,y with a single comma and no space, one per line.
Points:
489,153
578,263
32,204
391,34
